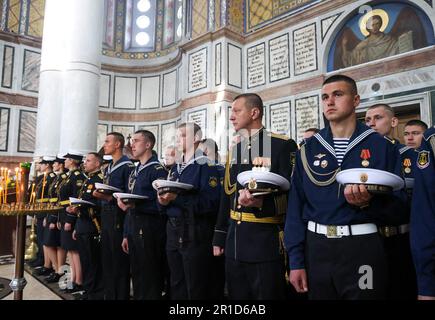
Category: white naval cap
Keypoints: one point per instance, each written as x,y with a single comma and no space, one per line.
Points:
262,180
372,177
170,186
47,160
75,155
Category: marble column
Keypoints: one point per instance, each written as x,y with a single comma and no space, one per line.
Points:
83,35
50,80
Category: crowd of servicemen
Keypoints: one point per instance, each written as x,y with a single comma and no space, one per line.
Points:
219,241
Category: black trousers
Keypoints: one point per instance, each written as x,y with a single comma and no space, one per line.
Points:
402,280
351,267
40,237
116,265
147,256
189,262
89,247
255,280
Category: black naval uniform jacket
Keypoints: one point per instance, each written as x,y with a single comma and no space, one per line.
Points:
254,241
52,193
85,223
42,191
69,187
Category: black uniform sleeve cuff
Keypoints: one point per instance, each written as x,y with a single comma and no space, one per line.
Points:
69,218
219,238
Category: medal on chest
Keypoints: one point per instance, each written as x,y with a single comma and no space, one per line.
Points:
365,156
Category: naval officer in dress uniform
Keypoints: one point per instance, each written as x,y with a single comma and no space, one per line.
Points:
249,229
334,248
87,229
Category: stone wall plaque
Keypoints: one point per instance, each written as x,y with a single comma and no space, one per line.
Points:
4,128
218,64
256,65
8,66
31,65
305,49
307,115
279,67
26,131
167,137
124,130
102,131
155,130
197,70
200,118
280,118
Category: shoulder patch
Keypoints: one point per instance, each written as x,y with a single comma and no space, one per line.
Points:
77,173
279,136
158,167
63,175
52,174
101,176
131,165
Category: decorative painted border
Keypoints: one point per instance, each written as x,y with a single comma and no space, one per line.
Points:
163,88
135,93
264,65
140,90
228,65
280,16
12,66
323,35
7,126
19,131
288,53
218,59
294,52
206,69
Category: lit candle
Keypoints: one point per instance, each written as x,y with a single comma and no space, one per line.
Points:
17,188
1,194
32,193
6,184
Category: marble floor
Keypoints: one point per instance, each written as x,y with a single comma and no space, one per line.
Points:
34,290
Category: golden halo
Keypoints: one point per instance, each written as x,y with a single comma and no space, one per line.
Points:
377,12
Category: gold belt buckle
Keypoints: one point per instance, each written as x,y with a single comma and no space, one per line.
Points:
388,231
331,232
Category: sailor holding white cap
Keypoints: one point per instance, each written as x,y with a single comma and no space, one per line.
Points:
334,248
116,265
423,217
191,216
